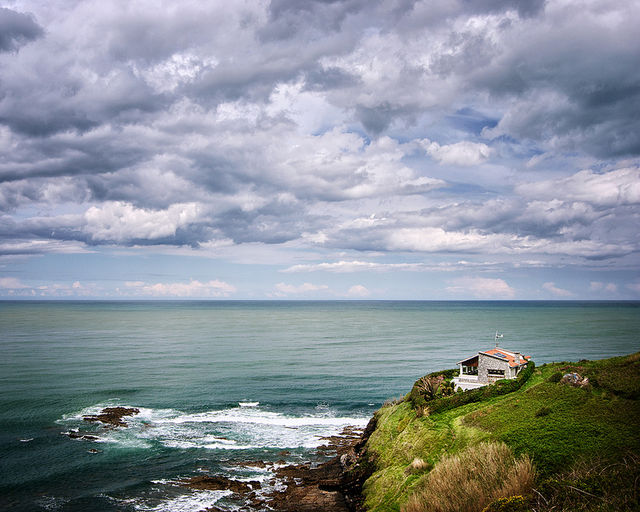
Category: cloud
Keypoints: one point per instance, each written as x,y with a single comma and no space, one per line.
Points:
39,247
12,283
558,292
13,287
17,29
462,153
193,288
121,222
612,188
597,286
356,266
357,290
481,288
312,127
282,289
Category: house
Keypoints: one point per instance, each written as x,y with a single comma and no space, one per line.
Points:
487,367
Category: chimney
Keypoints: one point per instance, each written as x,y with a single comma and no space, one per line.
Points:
517,354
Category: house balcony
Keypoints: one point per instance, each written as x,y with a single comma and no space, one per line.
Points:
466,378
466,382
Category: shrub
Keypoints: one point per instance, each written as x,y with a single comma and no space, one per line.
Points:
471,480
556,377
543,411
428,385
596,484
512,504
416,396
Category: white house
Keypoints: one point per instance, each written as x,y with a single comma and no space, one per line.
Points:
487,367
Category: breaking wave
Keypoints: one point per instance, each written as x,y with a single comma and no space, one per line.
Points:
237,428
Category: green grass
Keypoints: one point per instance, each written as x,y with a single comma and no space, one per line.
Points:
554,424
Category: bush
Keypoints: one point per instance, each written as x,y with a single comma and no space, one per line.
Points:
471,480
416,395
512,504
543,411
596,484
556,377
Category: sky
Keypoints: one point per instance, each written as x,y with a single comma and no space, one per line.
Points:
320,149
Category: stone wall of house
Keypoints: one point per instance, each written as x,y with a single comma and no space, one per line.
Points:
486,363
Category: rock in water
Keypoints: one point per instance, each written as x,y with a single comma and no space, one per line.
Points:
113,415
219,483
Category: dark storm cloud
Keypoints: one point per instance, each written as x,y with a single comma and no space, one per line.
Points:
17,29
289,17
525,8
71,155
321,79
574,79
57,101
376,119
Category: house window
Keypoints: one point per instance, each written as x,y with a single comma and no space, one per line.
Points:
470,370
495,373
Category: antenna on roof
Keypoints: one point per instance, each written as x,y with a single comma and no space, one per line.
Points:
498,336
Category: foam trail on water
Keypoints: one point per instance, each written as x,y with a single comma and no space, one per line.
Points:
236,428
197,500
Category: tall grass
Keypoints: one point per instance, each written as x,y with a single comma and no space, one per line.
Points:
469,481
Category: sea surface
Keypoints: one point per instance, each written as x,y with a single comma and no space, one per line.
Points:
222,382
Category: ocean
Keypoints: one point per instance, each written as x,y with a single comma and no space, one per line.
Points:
220,383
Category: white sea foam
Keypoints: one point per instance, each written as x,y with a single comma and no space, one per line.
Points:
236,428
248,404
196,500
258,417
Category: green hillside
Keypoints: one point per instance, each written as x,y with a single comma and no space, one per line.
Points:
567,448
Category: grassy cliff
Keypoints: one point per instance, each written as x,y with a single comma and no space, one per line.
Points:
560,447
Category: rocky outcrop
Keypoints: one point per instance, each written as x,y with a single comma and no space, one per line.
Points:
334,486
575,380
219,483
113,415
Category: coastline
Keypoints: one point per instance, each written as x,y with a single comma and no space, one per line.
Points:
332,486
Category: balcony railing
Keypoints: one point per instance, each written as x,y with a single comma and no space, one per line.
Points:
466,378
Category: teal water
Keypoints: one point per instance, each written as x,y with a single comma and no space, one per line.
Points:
221,382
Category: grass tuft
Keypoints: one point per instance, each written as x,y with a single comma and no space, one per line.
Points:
418,465
471,480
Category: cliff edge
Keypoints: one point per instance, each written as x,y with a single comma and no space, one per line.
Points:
565,439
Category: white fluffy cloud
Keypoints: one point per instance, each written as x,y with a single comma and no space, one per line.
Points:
358,290
482,288
597,286
462,153
192,289
118,221
558,292
12,283
282,289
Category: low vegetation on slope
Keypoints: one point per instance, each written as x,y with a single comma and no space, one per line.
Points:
582,443
473,479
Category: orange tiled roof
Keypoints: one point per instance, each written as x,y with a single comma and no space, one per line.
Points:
508,356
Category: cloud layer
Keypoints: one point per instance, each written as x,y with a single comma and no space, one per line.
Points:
418,130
